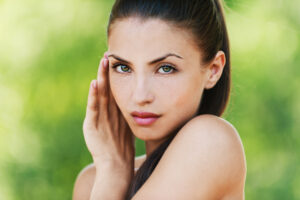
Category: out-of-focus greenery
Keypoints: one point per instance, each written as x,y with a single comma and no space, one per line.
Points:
50,51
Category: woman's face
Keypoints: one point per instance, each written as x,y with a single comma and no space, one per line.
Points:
171,87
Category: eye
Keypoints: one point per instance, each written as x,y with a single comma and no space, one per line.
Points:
167,68
123,68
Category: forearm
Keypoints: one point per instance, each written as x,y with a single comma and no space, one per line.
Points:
110,184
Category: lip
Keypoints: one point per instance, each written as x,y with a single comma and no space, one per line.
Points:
144,114
144,118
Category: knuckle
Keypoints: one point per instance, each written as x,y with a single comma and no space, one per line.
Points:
101,84
93,107
104,99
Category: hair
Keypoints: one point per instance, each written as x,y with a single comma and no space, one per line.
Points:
206,22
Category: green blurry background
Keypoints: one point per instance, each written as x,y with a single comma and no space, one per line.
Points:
49,53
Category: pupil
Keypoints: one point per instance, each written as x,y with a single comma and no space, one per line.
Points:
124,67
166,67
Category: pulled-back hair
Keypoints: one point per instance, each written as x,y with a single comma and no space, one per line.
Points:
206,22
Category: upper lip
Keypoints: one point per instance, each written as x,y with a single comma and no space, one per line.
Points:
144,114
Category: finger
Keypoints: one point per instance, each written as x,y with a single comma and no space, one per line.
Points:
130,139
114,118
103,91
124,127
130,134
112,106
91,116
106,54
100,78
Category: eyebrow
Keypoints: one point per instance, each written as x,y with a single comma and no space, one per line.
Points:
149,63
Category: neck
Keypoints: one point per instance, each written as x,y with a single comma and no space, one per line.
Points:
152,145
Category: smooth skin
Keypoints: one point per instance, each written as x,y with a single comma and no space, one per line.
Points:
206,158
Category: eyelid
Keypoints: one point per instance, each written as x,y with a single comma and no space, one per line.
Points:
162,64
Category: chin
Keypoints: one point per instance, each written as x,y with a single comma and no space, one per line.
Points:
147,135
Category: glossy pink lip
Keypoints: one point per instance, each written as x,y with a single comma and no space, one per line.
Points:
144,118
145,121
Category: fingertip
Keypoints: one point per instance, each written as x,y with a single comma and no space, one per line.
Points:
93,88
105,63
92,98
94,84
100,65
106,54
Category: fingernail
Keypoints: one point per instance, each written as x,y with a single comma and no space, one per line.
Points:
105,64
105,55
94,83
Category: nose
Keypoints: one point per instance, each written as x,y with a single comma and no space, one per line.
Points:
142,94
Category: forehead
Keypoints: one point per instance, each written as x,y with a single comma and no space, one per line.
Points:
152,37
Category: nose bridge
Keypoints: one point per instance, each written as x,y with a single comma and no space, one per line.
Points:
142,89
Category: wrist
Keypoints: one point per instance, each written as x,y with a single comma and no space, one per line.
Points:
109,186
114,165
114,171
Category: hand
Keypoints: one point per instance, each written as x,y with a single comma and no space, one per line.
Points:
106,132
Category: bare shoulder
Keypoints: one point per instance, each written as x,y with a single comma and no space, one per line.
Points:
85,179
214,128
205,160
222,146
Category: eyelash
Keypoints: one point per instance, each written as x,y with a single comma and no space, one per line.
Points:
170,66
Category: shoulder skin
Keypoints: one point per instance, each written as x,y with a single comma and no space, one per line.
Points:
205,160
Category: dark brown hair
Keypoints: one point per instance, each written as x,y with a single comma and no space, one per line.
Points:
206,22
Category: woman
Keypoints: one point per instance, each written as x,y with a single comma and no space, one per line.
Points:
166,80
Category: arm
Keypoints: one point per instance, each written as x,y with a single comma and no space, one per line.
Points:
111,182
204,161
88,185
109,140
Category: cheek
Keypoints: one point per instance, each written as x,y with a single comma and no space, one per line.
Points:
183,93
179,100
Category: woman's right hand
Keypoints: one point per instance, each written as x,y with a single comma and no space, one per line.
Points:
107,134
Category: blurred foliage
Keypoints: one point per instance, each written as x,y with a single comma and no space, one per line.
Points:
50,51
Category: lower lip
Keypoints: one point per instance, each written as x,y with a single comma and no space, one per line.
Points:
145,121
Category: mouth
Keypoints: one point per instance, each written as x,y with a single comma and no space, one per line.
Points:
144,118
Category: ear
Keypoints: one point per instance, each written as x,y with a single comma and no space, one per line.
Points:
215,70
